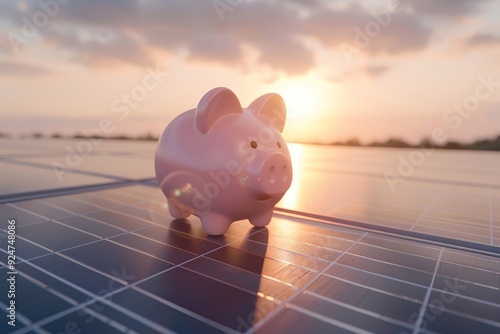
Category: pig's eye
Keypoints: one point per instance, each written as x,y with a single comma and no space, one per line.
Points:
279,144
253,144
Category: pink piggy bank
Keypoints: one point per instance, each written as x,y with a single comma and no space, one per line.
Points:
224,163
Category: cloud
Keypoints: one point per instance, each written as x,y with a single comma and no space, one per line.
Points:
403,33
374,71
100,48
371,70
8,67
449,8
275,30
481,39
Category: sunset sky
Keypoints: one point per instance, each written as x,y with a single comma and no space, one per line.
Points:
365,69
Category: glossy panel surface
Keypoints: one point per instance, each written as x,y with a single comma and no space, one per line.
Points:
114,260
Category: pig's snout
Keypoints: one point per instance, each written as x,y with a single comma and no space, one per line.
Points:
272,175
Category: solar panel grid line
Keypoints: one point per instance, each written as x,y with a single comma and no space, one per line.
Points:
179,265
19,259
112,323
313,249
371,287
139,251
381,250
474,317
403,246
422,215
79,306
341,205
329,320
120,289
413,178
30,262
430,239
76,171
360,310
432,230
150,239
490,212
476,300
37,326
151,324
22,319
277,258
302,289
425,303
455,196
398,266
468,267
473,308
54,316
466,226
55,206
69,248
28,211
192,314
276,301
397,220
460,257
101,202
63,191
94,220
383,276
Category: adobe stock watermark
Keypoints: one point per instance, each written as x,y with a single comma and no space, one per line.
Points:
120,108
48,9
223,6
453,119
93,310
372,29
437,306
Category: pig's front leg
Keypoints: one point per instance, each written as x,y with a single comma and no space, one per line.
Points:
263,219
215,223
177,211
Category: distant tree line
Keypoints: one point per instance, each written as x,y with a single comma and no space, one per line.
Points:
482,144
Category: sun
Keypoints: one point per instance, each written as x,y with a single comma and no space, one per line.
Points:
300,100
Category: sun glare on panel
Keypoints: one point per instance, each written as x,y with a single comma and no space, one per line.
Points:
291,198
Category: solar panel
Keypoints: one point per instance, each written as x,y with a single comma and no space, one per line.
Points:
100,253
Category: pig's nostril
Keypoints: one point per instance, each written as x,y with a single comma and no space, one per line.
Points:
285,174
272,177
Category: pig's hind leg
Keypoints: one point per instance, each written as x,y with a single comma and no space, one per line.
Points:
215,223
263,219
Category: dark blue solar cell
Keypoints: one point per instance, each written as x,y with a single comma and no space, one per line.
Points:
55,236
118,220
212,299
349,316
375,301
160,313
91,226
291,321
117,260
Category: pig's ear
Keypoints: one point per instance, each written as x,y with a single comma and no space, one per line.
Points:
214,105
271,109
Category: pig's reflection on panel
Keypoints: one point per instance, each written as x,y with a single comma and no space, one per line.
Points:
238,264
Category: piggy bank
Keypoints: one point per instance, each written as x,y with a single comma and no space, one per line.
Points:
224,163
